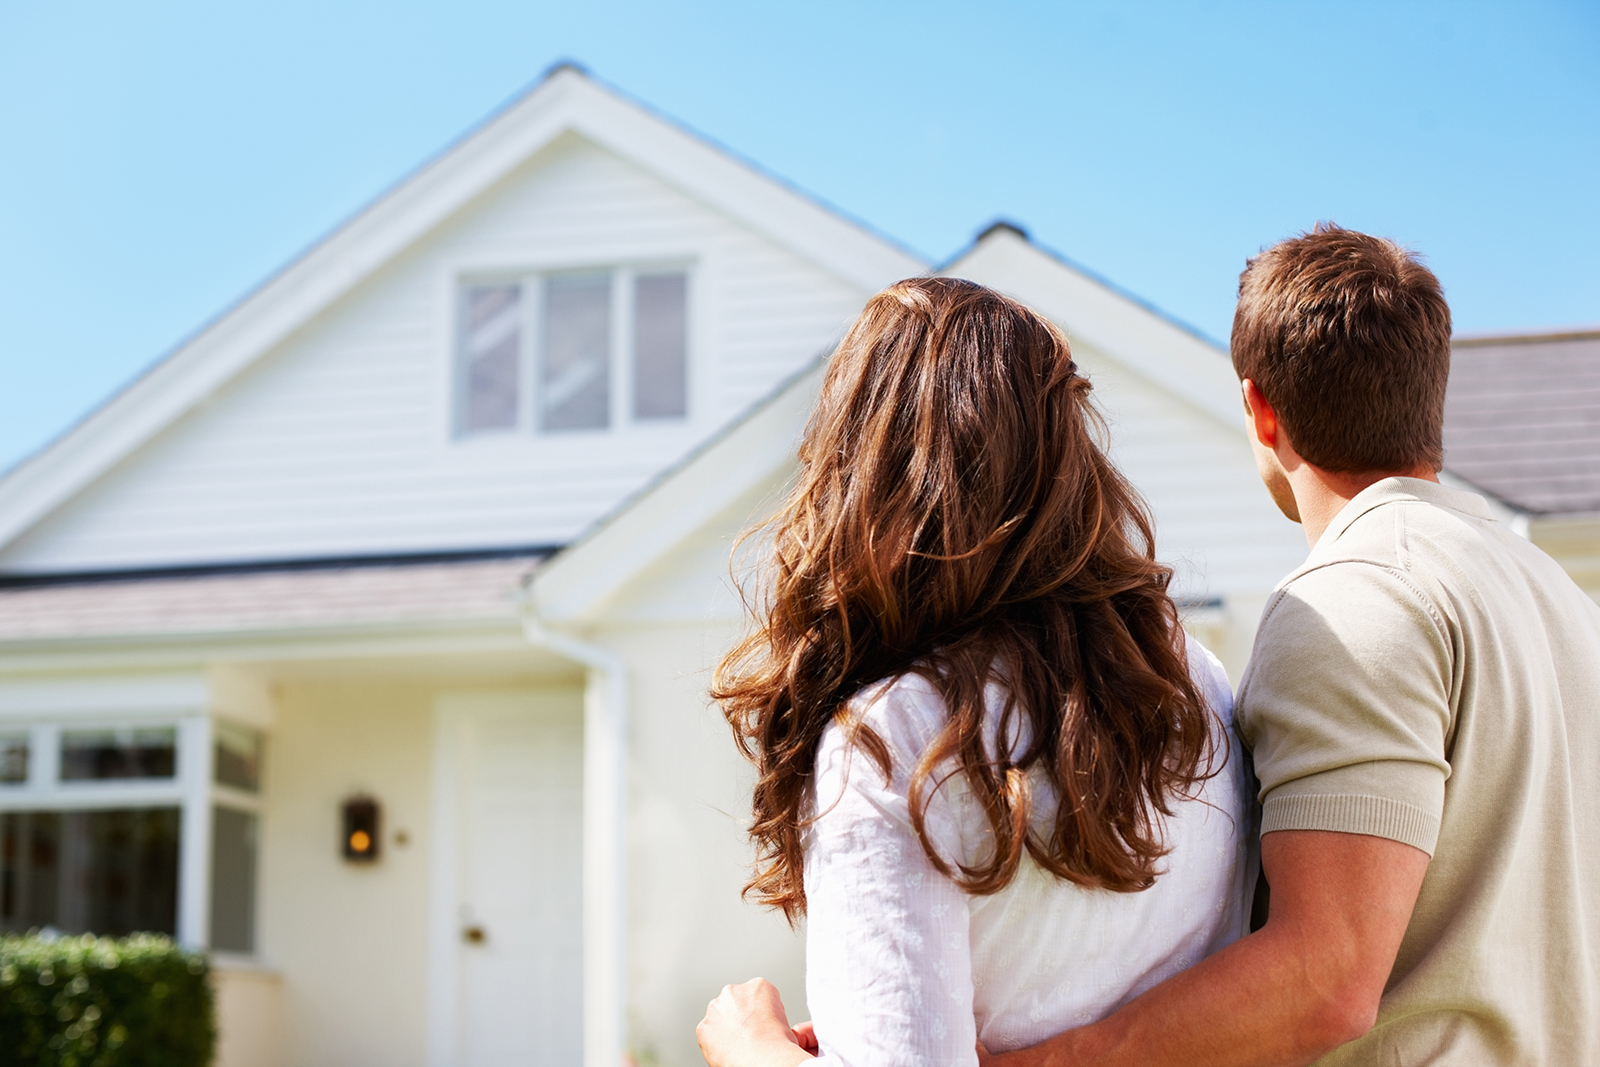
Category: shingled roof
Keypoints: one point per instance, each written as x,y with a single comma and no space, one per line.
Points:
268,601
1522,419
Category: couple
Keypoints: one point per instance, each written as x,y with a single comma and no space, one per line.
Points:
1019,808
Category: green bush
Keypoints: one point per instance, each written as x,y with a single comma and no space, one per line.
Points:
100,1002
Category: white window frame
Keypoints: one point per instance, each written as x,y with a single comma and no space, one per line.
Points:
191,790
531,304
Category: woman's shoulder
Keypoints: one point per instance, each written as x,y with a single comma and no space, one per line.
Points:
905,711
1211,678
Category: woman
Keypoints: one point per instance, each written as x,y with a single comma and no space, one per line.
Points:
992,772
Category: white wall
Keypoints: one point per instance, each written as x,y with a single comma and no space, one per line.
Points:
338,443
349,941
249,1006
1575,544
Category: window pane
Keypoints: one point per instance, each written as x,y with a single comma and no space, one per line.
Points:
29,845
233,880
660,347
575,365
103,872
13,757
141,752
237,756
491,334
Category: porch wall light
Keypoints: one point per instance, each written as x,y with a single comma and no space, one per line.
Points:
361,825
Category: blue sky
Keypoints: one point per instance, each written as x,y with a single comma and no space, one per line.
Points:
159,159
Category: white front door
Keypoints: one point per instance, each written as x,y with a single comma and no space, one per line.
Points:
508,931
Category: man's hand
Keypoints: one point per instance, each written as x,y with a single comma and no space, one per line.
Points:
1306,983
746,1026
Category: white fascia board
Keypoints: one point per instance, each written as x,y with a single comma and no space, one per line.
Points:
202,650
375,237
576,584
1106,320
78,697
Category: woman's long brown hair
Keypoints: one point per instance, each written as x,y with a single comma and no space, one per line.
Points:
955,517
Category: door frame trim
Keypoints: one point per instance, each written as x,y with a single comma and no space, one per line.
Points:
443,886
604,755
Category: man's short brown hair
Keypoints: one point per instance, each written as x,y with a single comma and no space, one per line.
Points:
1348,338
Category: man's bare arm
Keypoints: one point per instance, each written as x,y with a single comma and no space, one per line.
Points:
1302,985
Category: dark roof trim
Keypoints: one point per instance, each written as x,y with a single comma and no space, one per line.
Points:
1094,276
1003,224
1474,340
319,563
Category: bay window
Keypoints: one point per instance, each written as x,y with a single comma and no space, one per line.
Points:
113,828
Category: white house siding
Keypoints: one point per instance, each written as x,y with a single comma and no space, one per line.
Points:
338,443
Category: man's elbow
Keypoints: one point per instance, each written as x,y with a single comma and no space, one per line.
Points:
1341,1014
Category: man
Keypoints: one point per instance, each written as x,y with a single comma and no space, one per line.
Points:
1423,709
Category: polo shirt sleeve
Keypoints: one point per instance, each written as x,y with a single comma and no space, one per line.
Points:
1346,706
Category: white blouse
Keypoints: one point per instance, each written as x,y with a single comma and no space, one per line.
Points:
902,967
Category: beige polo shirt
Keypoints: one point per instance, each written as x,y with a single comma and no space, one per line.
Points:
1431,677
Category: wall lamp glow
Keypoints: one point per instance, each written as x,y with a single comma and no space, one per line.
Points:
361,825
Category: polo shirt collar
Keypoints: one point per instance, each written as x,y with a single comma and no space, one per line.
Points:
1397,490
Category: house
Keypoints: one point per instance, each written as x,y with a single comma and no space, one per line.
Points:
365,640
267,676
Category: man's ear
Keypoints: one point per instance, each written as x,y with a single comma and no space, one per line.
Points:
1259,414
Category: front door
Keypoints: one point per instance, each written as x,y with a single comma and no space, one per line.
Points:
508,879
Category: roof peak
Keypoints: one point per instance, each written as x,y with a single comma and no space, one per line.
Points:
563,64
1005,225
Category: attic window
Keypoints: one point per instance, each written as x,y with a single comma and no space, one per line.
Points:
575,360
660,346
572,352
491,340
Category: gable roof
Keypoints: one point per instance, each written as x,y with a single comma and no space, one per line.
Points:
566,101
1522,419
321,599
1114,323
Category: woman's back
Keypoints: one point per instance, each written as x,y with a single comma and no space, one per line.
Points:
905,967
956,519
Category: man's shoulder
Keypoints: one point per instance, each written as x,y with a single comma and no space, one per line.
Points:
1401,548
1353,589
1452,555
1351,614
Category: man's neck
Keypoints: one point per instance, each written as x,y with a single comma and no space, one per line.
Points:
1320,495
